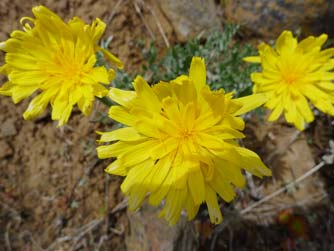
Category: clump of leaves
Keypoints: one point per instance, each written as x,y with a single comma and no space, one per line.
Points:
123,80
223,57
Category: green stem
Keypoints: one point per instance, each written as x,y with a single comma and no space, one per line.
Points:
105,100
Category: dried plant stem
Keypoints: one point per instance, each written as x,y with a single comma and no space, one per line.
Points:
283,189
112,14
137,8
6,237
120,206
107,200
161,30
248,209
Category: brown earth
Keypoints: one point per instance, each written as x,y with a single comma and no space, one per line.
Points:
54,194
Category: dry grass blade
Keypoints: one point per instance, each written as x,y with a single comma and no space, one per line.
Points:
137,8
283,189
114,11
158,23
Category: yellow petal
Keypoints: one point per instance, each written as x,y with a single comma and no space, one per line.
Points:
146,95
136,197
286,42
116,61
213,207
159,173
221,185
164,148
137,175
196,186
276,113
116,168
197,73
252,59
114,150
191,208
121,115
38,105
124,134
2,46
227,171
251,162
174,204
122,97
138,153
7,89
250,102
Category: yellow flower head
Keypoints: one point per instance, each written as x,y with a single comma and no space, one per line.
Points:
294,73
180,144
57,60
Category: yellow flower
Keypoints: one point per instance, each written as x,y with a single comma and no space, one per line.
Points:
180,144
57,60
294,73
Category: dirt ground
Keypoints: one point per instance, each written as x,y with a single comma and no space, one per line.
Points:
55,196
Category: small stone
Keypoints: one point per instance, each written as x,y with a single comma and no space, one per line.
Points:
269,18
5,149
148,232
190,18
8,128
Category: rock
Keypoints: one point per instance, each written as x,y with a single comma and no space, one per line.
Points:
270,18
190,17
8,128
148,232
286,151
5,149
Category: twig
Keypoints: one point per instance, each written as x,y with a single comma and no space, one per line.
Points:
84,230
277,210
120,206
103,238
218,230
14,213
59,240
107,200
87,172
143,19
230,239
37,245
248,209
272,210
327,159
78,235
253,189
7,239
118,231
112,14
283,189
293,138
161,30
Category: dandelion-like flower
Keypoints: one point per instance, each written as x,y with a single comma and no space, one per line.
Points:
56,60
179,145
292,75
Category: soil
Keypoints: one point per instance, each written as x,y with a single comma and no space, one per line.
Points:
54,194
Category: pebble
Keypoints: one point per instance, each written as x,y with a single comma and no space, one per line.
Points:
8,128
5,149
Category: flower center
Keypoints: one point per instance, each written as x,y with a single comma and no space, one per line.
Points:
67,67
290,77
185,134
